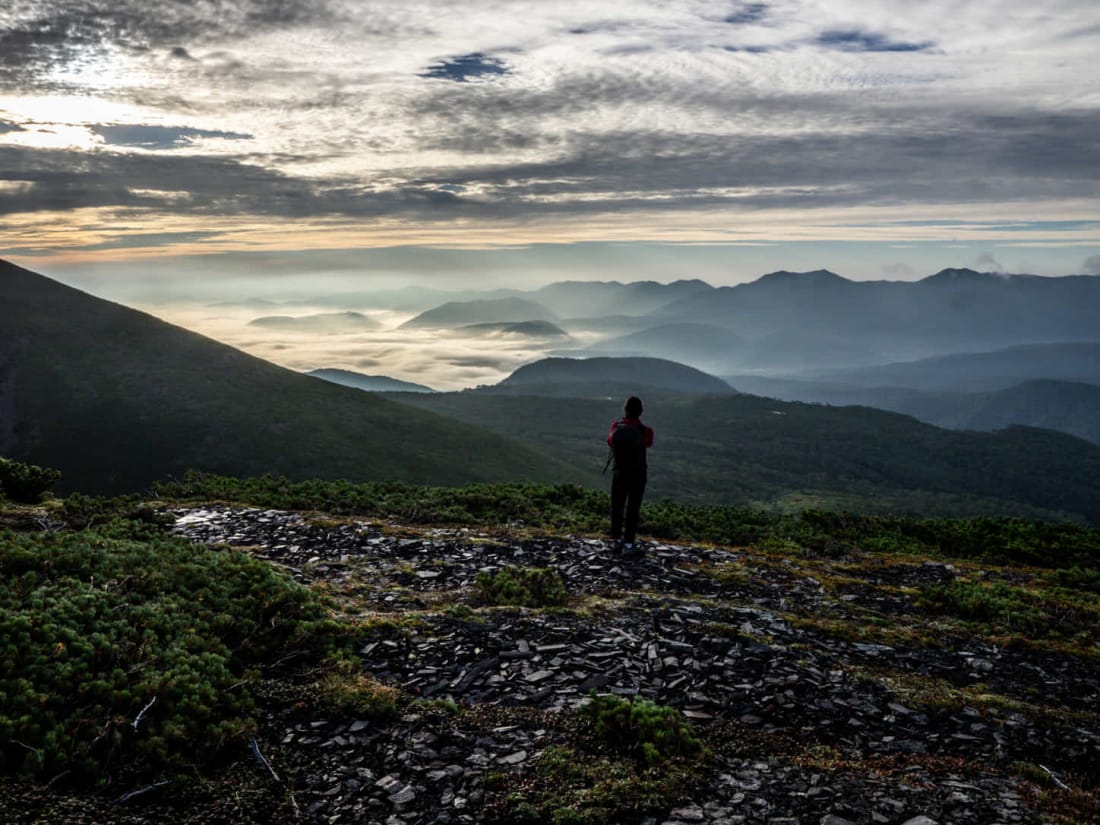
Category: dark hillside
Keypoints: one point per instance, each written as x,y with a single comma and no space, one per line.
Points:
1069,407
742,449
601,377
115,399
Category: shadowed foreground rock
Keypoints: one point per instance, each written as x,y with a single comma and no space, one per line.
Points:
824,690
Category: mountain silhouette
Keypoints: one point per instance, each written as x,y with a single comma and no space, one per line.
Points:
463,313
368,383
586,377
115,399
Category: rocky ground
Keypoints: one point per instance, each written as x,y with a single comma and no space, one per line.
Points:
824,690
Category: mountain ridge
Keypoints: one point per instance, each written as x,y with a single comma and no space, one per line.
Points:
116,399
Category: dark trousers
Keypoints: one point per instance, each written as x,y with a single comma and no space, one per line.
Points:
626,494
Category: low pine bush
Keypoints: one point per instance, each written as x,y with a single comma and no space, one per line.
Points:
521,587
116,650
643,729
25,483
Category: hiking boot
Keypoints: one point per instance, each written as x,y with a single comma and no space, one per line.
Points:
632,551
617,547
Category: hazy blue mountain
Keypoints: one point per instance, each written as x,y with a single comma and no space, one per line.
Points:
368,383
116,399
1065,406
608,325
600,377
795,350
954,310
530,329
705,346
326,323
581,299
973,371
462,313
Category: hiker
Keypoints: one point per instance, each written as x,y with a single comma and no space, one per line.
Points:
628,439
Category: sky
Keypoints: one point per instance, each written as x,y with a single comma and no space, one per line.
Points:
171,149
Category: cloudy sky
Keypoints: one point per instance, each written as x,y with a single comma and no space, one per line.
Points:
183,142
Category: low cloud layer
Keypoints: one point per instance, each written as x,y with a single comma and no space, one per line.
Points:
439,359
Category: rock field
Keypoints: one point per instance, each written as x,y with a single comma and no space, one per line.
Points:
825,693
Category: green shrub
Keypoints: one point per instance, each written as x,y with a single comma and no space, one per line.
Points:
570,787
1001,608
642,729
1077,578
25,483
521,587
345,689
116,650
80,511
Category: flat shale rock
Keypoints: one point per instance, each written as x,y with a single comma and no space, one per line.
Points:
725,652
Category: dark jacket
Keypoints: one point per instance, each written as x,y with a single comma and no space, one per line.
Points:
647,438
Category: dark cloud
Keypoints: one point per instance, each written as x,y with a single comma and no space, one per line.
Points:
750,49
480,362
933,157
64,179
493,111
6,126
157,137
467,67
748,13
854,40
954,161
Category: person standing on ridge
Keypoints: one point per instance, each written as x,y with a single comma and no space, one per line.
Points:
628,439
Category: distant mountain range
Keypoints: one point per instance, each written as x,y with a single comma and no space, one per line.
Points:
116,399
864,322
701,345
367,383
588,299
463,313
793,322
